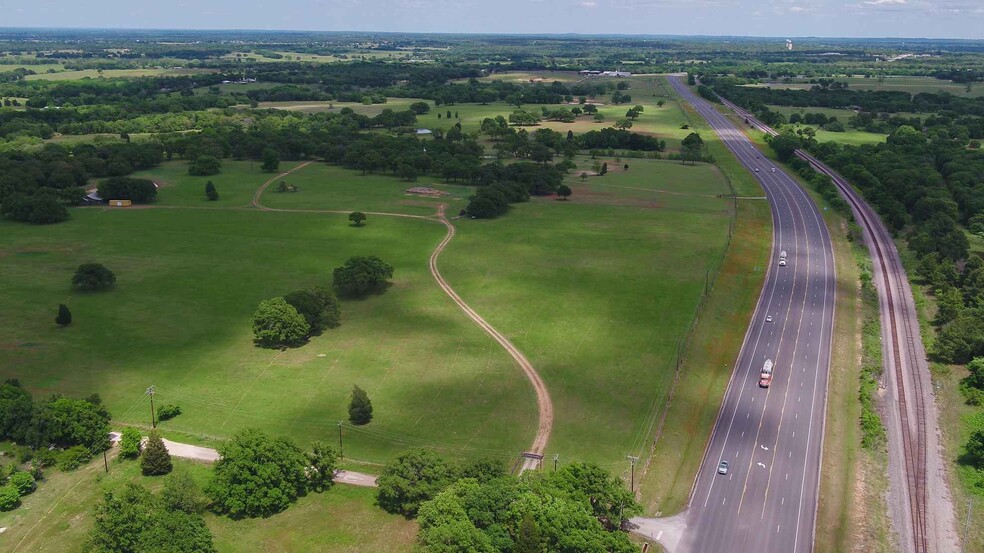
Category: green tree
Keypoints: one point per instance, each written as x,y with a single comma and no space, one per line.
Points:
360,408
950,303
155,459
785,144
257,475
604,169
271,160
318,306
177,532
484,470
64,317
120,520
181,493
976,377
564,191
9,498
415,476
16,411
204,166
66,422
357,218
528,538
323,461
623,124
127,188
362,275
419,108
93,276
23,482
210,192
278,323
130,440
975,448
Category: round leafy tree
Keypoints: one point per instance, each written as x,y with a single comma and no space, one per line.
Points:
204,165
564,191
130,443
318,306
414,477
361,275
210,192
23,482
9,498
277,323
257,475
357,218
93,276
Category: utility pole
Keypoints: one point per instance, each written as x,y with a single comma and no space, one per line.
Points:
105,461
556,458
632,461
153,419
966,536
341,454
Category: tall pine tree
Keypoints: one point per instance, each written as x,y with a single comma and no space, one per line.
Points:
155,459
360,408
64,317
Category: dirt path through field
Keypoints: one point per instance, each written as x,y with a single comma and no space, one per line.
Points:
259,192
544,404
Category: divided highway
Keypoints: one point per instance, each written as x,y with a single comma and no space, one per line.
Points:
770,437
922,514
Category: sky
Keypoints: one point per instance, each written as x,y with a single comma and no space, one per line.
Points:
791,18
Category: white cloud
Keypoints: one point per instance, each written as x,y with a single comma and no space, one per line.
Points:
884,2
588,4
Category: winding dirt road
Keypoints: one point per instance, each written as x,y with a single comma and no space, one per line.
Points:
544,404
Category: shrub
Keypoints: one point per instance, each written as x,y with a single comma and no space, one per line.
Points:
130,443
181,493
357,218
167,412
23,482
93,276
155,460
210,192
9,498
277,323
73,458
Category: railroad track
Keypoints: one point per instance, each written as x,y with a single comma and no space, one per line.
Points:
913,440
908,381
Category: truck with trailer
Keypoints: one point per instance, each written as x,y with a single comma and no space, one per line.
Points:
765,377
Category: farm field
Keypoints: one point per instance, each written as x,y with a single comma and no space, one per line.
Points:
598,292
179,318
57,517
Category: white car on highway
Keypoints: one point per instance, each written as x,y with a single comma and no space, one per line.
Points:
782,262
768,318
723,467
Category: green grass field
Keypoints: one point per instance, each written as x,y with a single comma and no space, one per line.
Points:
57,517
850,136
188,282
330,187
598,292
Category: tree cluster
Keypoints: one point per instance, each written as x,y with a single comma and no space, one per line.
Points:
360,276
478,508
258,475
59,421
134,520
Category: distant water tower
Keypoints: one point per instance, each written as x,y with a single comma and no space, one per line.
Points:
789,44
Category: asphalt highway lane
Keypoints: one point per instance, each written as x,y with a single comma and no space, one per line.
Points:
770,437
